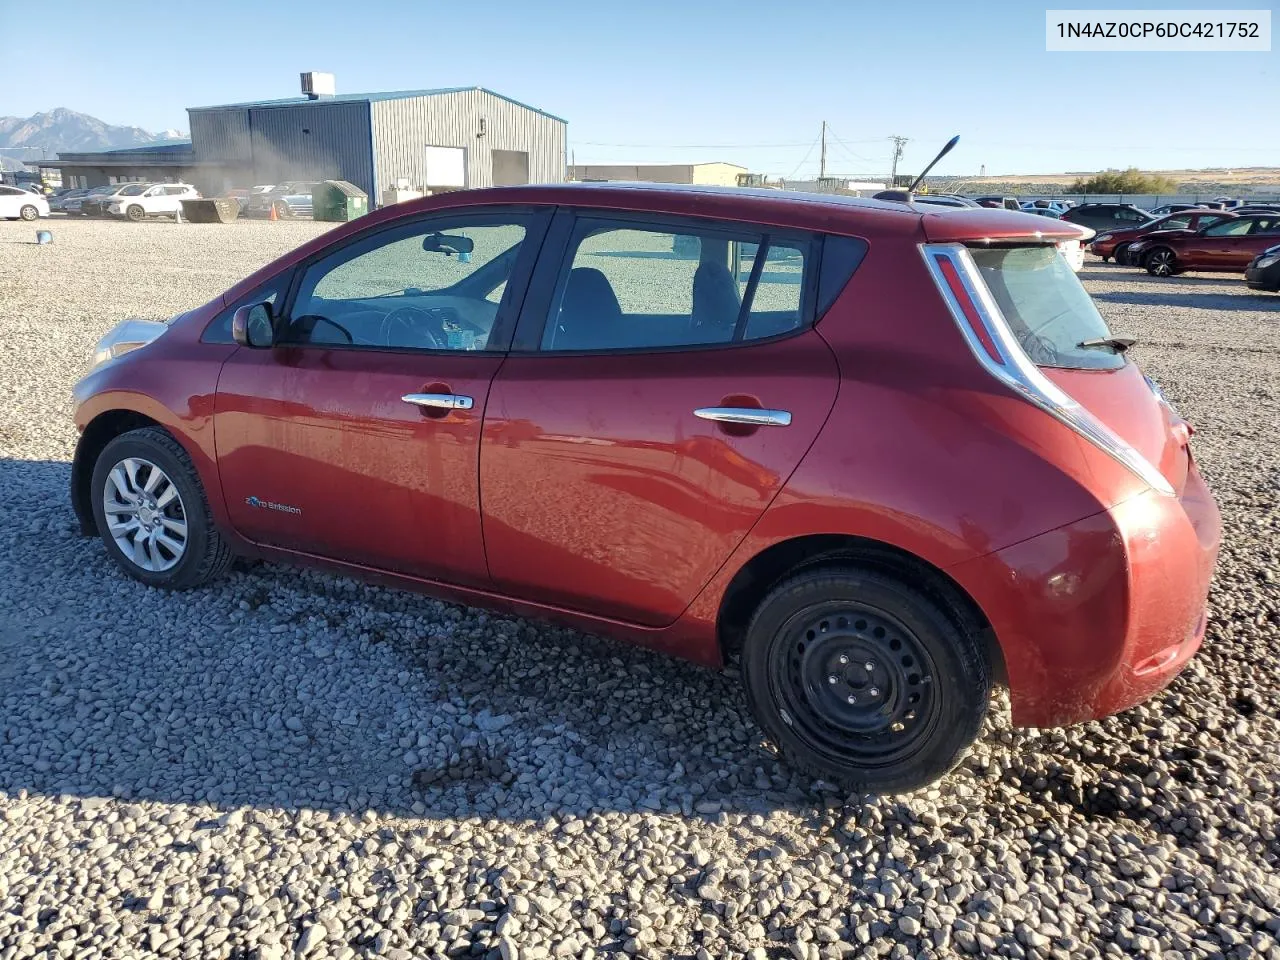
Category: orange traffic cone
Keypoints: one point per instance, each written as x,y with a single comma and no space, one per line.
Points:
273,215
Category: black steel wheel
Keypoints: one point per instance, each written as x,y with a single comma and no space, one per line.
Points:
865,681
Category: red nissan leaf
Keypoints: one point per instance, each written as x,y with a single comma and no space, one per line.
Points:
882,455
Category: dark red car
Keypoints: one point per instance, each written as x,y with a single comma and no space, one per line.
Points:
1115,243
884,454
1227,246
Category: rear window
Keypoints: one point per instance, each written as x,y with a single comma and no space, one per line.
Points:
1046,307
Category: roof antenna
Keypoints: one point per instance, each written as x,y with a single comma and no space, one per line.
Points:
905,195
941,153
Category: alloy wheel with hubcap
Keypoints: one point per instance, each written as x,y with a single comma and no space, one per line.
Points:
145,514
1160,263
151,511
28,213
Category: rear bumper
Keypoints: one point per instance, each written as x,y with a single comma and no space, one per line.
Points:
1259,279
1102,614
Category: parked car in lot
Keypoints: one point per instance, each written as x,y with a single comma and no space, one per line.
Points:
1115,243
99,205
19,204
904,459
1227,246
156,200
291,199
998,203
1106,216
1263,272
74,206
59,202
1167,208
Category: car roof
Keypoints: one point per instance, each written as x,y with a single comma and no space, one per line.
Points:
834,213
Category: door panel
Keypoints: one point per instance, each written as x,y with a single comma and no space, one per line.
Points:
357,436
319,453
603,491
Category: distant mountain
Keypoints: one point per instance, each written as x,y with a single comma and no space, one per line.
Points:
43,135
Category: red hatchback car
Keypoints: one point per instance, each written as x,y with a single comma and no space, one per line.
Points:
1115,243
1228,246
883,454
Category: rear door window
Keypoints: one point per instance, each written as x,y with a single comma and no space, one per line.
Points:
1047,309
634,285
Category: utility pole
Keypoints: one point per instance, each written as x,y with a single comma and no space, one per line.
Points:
822,162
898,144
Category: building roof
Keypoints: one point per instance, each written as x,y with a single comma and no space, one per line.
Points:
367,98
172,152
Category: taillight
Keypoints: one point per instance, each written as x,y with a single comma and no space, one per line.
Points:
993,344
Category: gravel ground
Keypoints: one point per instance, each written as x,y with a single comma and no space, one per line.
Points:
290,764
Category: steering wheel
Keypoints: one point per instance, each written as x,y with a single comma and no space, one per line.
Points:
416,322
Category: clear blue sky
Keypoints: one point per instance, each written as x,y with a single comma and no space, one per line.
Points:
681,80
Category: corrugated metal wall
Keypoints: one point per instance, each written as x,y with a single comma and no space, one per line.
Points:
403,128
315,141
220,134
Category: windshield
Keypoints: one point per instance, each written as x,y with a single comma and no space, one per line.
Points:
1046,308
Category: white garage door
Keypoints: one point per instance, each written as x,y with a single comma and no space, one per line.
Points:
446,167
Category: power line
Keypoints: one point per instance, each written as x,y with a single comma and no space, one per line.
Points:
804,161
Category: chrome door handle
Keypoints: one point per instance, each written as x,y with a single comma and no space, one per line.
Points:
752,416
438,401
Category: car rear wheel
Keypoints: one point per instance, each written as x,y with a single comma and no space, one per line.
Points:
28,212
1161,262
152,513
135,213
863,680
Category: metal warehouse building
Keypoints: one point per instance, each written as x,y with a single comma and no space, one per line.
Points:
450,138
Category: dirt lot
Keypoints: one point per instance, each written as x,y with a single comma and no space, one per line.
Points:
292,764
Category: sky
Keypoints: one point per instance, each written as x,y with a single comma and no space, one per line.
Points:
741,81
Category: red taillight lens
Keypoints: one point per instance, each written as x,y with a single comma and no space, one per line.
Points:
948,271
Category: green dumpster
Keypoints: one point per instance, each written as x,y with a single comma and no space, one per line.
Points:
338,200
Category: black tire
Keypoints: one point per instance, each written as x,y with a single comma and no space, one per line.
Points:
1160,262
1121,253
135,212
28,212
916,669
206,554
1105,259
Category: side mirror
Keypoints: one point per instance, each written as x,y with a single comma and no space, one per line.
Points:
251,326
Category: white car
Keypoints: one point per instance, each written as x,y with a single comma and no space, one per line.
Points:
161,199
19,204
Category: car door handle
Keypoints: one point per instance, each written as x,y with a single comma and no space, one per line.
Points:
752,416
439,401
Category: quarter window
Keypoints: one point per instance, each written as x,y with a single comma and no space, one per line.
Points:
432,285
630,287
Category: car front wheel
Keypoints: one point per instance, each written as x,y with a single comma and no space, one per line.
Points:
865,681
1121,254
1161,262
152,513
28,212
135,213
